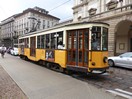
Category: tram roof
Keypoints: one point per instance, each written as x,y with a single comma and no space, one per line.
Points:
61,26
91,22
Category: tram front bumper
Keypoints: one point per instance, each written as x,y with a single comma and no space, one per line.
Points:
97,70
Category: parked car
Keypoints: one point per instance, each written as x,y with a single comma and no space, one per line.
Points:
9,50
14,51
123,60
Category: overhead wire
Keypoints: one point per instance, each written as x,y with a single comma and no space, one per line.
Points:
60,5
69,1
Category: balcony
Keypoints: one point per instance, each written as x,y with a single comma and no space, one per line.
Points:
110,13
112,5
92,11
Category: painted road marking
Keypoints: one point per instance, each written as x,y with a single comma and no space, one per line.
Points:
121,92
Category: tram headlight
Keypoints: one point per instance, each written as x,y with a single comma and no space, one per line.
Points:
93,63
105,60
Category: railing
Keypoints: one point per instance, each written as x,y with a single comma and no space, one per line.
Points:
112,12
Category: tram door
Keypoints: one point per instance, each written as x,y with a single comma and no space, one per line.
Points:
33,46
78,44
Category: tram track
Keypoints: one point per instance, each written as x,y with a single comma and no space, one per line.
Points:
117,81
113,79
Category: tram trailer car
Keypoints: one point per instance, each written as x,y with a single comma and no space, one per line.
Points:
77,46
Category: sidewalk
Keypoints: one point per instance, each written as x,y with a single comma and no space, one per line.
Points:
8,88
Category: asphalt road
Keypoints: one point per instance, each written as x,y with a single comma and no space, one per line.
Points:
40,83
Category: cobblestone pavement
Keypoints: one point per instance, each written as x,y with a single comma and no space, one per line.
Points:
116,78
8,88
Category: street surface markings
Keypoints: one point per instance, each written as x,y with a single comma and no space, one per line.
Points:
121,92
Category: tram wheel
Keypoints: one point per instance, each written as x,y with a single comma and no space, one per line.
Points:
48,65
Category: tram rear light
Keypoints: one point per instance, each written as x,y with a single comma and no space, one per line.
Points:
105,60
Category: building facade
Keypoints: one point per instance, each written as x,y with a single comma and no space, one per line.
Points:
7,31
30,20
0,35
117,13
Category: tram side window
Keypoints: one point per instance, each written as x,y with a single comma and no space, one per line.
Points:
96,38
26,43
105,39
40,41
48,43
60,44
53,40
21,42
21,45
69,45
86,39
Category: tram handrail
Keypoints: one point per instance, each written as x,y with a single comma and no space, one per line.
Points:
91,56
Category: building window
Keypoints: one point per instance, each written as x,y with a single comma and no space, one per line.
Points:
38,23
43,24
48,25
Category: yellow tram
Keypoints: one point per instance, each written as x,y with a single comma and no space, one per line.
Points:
76,46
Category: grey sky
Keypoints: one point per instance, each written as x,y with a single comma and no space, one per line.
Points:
11,7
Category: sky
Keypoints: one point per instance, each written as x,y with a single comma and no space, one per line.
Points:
11,7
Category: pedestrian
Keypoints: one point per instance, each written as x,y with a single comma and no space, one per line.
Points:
60,45
3,51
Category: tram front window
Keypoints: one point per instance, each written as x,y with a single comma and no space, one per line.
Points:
96,38
105,39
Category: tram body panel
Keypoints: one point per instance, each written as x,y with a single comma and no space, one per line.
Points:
24,51
60,57
32,58
96,59
40,54
27,52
